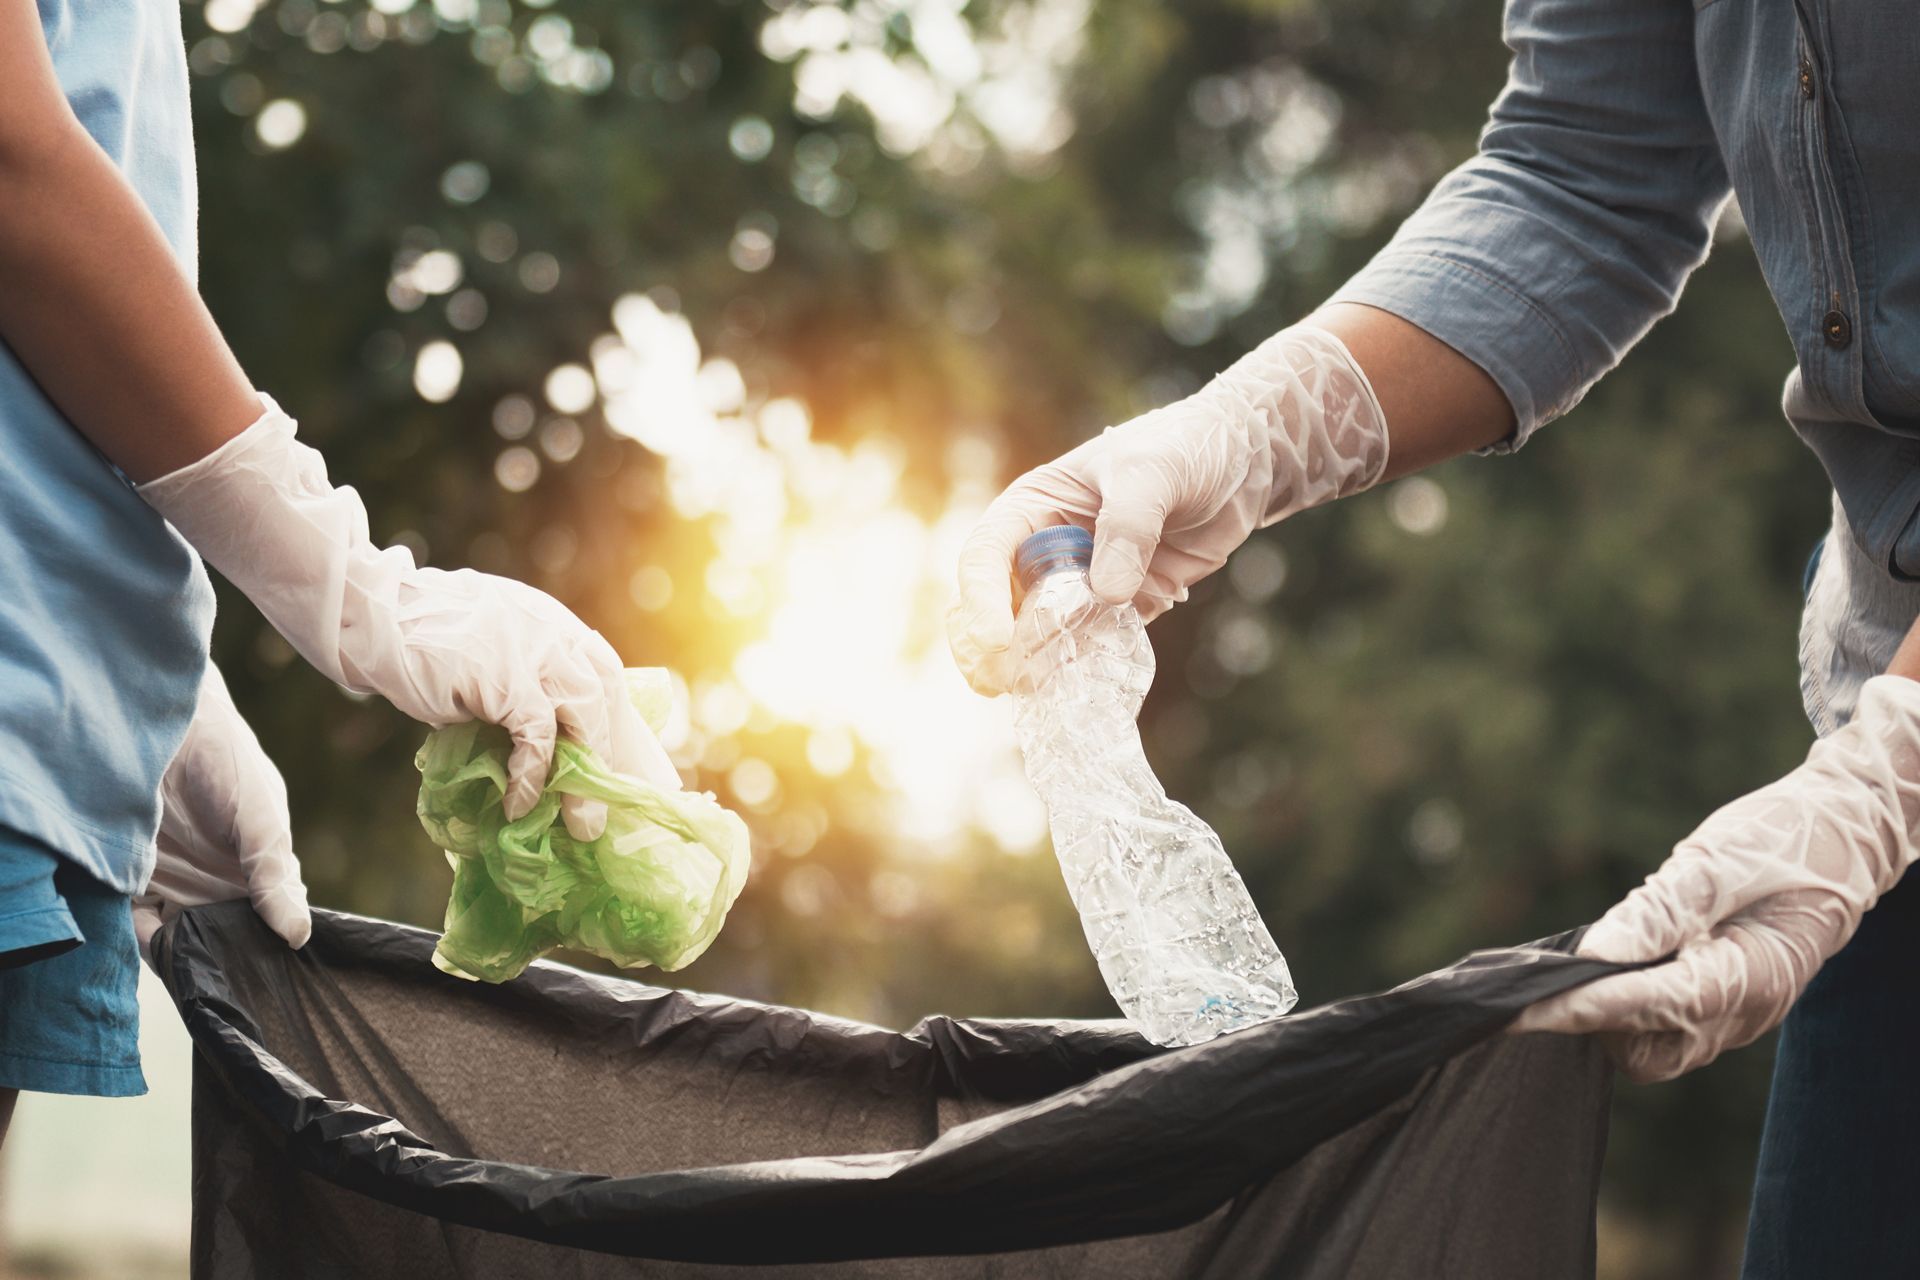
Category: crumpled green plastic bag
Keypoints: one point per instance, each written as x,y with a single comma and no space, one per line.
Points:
653,889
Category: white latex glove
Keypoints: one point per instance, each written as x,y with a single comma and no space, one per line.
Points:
1172,493
1756,900
443,647
224,829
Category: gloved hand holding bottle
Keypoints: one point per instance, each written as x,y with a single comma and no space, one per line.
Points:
1171,494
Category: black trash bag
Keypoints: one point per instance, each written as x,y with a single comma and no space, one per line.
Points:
358,1113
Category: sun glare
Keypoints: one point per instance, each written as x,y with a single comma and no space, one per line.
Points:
838,585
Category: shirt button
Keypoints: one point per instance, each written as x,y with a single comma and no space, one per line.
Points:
1837,328
1806,78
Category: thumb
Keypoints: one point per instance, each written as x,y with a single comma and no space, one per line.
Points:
279,895
1676,904
262,843
980,619
1133,516
273,880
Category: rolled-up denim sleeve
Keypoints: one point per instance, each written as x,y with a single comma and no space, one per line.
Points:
1549,254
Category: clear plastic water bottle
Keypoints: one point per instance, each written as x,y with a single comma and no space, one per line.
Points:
1177,938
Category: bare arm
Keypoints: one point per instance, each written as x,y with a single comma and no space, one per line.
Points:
95,305
1906,660
1436,402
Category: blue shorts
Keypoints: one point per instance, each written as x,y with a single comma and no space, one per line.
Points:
69,974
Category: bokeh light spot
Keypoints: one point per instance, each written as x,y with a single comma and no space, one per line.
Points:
513,417
570,389
750,139
562,439
539,272
651,588
1418,505
830,751
751,249
516,469
437,371
280,124
467,310
1257,571
754,783
229,16
1435,832
465,182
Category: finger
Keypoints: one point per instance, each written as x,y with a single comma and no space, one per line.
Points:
1679,903
283,906
263,846
580,697
1620,1003
1169,572
1656,1056
277,891
585,817
532,728
633,750
980,621
981,642
1698,987
582,711
636,749
1744,981
1132,519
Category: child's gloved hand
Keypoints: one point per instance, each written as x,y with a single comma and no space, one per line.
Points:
1756,900
224,829
444,647
1171,494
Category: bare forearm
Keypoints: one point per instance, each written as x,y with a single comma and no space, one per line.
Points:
1906,659
1437,403
95,305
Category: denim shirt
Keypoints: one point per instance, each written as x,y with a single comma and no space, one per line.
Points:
1622,127
104,609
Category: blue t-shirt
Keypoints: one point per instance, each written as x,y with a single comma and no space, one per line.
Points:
104,611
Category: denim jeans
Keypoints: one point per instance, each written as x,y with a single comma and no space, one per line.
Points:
1835,1193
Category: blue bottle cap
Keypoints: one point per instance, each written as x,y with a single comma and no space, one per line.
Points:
1049,549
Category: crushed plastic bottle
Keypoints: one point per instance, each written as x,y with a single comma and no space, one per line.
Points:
1178,940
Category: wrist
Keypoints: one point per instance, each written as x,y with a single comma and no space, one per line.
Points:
261,510
1315,421
175,487
1440,403
1906,659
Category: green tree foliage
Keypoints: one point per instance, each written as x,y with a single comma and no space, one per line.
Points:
1467,710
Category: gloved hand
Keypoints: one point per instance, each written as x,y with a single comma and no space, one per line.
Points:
1755,900
224,829
1172,493
443,647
